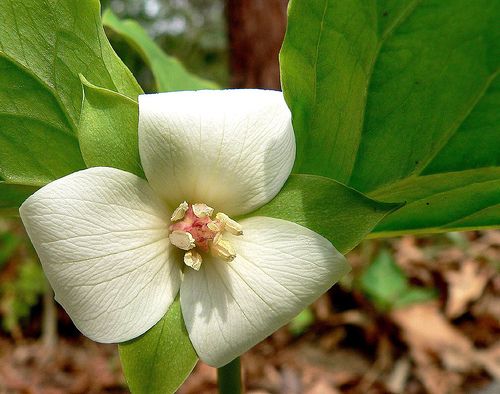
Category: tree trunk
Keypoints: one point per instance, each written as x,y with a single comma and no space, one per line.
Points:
256,31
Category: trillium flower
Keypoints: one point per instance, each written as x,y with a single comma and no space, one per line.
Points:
117,249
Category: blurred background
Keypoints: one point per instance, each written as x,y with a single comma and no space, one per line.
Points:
416,314
234,42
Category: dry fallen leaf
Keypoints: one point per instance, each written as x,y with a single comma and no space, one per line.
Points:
396,381
322,386
407,251
425,329
487,305
490,359
431,337
465,285
437,381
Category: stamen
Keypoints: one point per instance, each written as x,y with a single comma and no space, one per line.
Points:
229,224
179,212
222,248
193,230
202,210
216,227
182,239
193,259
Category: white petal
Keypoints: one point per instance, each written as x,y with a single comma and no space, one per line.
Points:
102,237
279,269
230,149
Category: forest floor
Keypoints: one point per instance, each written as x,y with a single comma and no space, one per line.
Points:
425,320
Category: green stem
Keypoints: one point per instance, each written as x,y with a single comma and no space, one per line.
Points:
229,377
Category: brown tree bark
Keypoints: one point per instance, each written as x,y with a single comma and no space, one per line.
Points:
256,31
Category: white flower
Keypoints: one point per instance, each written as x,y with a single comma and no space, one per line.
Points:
112,245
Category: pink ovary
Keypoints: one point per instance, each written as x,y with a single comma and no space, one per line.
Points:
197,227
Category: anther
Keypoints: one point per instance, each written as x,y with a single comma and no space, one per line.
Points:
179,212
182,239
222,248
193,259
229,224
216,227
202,210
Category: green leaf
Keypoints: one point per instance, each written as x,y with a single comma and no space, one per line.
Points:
301,322
169,73
9,242
37,144
414,295
44,46
388,287
108,130
443,202
159,361
398,99
21,293
12,196
383,281
339,213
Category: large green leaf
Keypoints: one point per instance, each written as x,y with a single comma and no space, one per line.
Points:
159,361
339,213
44,46
12,196
398,99
108,130
37,143
451,201
169,73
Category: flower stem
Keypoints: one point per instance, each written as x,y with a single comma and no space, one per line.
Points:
229,377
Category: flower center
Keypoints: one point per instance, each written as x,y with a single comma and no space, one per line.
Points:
194,231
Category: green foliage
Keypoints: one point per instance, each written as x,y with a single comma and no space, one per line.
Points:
8,245
443,202
20,295
108,123
37,144
44,46
339,213
399,99
414,295
169,73
193,31
159,361
21,279
387,286
12,196
301,322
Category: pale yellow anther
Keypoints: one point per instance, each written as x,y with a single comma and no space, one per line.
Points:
222,248
182,239
202,210
193,259
229,224
216,227
179,212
